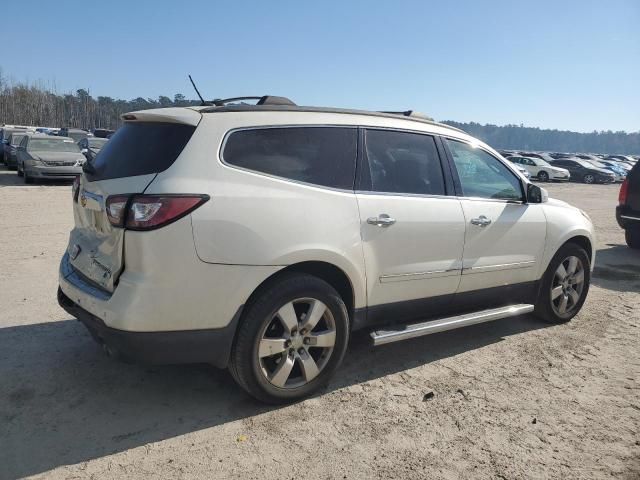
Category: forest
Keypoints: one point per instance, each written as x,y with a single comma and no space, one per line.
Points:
25,104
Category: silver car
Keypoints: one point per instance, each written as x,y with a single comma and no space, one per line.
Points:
46,157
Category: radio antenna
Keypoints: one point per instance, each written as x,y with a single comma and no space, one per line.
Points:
197,92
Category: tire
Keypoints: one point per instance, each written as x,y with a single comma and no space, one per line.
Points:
263,326
557,289
632,237
543,176
27,178
589,179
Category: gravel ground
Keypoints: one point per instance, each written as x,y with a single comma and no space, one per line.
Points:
511,399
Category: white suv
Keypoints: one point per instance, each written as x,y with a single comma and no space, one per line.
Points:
258,237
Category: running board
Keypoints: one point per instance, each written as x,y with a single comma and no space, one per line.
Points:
404,332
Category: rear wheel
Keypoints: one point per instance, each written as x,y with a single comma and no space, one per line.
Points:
291,339
565,285
632,237
588,178
543,176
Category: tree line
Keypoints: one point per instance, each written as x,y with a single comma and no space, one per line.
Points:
25,104
518,137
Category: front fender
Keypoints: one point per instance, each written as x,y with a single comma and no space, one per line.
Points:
564,223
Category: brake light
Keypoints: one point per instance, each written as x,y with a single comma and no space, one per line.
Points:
75,189
116,209
148,212
624,192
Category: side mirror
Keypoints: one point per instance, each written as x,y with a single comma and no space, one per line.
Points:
536,194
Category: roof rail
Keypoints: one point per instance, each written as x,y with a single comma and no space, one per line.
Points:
409,113
264,100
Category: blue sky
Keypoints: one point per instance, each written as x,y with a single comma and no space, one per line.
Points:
565,64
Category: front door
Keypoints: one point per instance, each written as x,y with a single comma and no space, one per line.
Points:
505,236
412,232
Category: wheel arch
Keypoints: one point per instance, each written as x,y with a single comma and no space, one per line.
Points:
329,272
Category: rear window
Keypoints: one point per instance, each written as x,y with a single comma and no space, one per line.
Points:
140,149
323,156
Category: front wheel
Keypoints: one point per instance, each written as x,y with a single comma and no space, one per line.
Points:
632,237
291,339
588,178
565,285
543,176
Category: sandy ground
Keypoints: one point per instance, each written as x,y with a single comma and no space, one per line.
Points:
512,399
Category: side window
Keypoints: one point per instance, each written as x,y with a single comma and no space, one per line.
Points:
530,162
402,162
319,155
482,175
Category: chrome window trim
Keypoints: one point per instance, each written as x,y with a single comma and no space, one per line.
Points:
629,217
276,177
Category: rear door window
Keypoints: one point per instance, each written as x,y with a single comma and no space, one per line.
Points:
323,156
403,162
141,149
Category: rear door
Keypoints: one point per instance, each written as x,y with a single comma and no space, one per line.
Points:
126,165
412,231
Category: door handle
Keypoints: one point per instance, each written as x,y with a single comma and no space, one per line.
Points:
383,220
481,220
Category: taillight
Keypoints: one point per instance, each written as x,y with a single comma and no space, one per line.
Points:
148,212
116,209
75,189
624,192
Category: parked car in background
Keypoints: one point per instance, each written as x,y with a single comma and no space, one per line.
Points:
628,209
76,133
541,155
583,171
102,132
91,146
540,169
5,133
523,171
622,158
239,235
42,157
11,148
619,172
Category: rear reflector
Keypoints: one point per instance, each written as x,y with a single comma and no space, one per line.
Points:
148,212
624,192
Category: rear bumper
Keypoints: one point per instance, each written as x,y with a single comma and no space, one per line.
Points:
159,348
627,217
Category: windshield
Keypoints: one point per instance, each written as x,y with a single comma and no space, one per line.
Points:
53,145
16,139
97,143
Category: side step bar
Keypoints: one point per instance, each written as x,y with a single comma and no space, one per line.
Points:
404,332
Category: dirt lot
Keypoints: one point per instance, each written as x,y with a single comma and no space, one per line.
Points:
512,399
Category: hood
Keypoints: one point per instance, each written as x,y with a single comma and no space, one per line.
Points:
58,156
558,169
558,203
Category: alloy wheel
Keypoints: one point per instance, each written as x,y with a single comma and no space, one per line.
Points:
567,286
543,177
589,178
297,343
